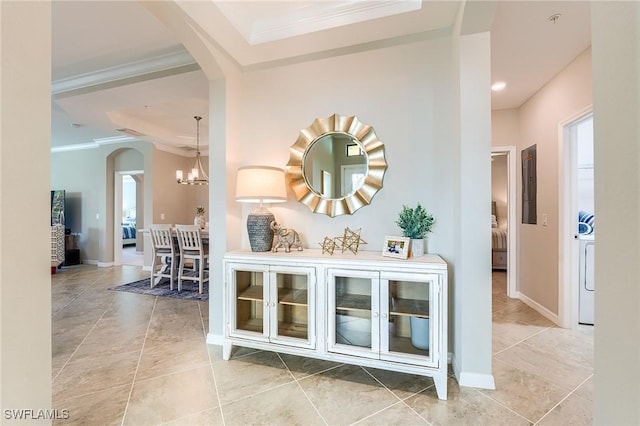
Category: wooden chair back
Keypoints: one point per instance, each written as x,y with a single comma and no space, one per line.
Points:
161,238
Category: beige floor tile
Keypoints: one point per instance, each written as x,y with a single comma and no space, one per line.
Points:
130,307
529,395
212,417
215,352
171,358
241,377
99,408
397,415
585,390
63,345
167,398
464,406
111,336
302,367
574,411
284,405
572,346
175,322
401,384
543,362
508,334
257,387
95,374
346,394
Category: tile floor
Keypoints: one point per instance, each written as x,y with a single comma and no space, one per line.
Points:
127,359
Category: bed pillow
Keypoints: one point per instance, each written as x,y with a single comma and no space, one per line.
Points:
584,228
494,221
585,222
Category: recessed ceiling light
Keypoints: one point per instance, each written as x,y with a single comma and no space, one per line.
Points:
498,86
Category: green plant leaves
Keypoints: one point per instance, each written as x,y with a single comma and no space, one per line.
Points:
416,222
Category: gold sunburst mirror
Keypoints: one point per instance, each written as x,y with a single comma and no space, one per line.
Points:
337,165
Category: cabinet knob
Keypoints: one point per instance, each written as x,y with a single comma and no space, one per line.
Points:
375,315
384,315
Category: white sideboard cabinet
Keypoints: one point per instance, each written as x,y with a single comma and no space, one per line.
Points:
363,309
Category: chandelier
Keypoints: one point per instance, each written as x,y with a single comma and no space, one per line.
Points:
197,175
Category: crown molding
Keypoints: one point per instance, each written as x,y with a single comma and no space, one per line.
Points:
122,139
95,144
321,17
75,147
129,70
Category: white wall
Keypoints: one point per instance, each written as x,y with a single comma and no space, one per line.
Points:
373,85
25,206
616,108
538,246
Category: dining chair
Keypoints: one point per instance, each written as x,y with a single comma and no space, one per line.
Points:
191,247
164,250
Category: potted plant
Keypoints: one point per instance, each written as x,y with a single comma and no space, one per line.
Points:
415,223
199,220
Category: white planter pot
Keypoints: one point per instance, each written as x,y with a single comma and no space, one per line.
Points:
419,332
417,247
199,221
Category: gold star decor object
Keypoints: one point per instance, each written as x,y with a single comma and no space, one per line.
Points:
328,245
351,240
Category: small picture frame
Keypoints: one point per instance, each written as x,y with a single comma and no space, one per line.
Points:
397,247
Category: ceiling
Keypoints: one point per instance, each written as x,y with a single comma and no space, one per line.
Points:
118,71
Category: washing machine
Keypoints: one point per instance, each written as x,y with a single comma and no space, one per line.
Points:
586,294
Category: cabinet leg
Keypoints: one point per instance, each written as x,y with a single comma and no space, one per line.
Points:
440,381
226,350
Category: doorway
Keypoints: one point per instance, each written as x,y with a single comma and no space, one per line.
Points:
504,196
128,193
577,229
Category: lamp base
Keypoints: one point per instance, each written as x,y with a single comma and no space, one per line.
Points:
259,230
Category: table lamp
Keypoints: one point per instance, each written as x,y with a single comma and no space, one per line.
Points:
260,184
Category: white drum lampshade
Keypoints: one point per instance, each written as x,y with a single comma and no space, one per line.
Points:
260,184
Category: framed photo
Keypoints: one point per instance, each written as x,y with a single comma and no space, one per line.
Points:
396,247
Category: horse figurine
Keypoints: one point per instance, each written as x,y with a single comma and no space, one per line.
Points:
285,238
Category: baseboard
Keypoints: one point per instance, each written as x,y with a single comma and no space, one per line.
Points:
473,380
90,262
105,264
477,380
215,339
539,308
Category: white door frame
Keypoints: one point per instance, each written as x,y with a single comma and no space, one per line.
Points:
512,263
568,205
117,213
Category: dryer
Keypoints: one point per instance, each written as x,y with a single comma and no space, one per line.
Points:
586,294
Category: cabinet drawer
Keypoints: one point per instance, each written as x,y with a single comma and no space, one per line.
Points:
499,258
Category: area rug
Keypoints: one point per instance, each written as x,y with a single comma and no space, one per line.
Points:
189,289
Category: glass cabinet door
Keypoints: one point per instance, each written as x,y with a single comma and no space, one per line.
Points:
353,312
407,303
268,303
249,301
292,300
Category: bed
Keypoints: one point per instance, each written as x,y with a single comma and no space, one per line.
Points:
498,242
128,232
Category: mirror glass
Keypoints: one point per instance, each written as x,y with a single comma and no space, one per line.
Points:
337,165
334,165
